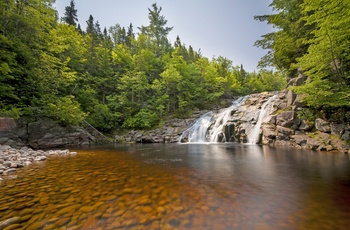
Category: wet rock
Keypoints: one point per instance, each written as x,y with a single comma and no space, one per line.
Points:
8,222
146,209
269,131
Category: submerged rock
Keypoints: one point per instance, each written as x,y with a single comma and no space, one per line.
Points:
11,159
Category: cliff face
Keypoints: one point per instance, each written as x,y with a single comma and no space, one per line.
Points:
283,127
41,134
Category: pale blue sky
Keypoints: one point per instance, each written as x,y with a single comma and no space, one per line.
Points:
218,27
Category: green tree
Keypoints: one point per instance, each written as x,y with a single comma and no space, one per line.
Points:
327,62
287,42
71,14
157,30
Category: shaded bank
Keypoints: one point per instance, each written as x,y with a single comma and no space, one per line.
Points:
43,133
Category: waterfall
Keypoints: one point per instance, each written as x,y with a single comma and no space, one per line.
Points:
217,132
197,132
254,134
210,126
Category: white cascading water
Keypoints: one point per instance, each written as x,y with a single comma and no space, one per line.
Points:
221,120
254,134
204,130
197,132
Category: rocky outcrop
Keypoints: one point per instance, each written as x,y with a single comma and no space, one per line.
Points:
272,116
43,134
169,133
269,118
285,128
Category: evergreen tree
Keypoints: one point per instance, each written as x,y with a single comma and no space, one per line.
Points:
90,28
287,43
157,29
70,14
130,36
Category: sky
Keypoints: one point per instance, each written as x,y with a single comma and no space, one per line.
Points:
217,27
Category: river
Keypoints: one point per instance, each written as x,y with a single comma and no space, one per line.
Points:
181,186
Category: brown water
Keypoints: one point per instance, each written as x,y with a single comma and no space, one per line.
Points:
187,186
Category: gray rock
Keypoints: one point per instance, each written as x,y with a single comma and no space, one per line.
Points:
290,96
338,129
284,131
306,126
286,119
323,126
313,144
346,136
5,147
7,164
300,139
40,158
269,131
26,163
11,170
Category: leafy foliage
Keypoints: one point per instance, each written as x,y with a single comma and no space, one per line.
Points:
110,77
314,37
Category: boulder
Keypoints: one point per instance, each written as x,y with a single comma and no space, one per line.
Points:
8,222
269,131
306,125
300,139
7,124
284,133
286,119
323,126
312,143
290,96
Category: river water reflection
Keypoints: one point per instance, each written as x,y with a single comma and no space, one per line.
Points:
181,186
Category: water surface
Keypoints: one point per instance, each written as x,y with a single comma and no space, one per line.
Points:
181,186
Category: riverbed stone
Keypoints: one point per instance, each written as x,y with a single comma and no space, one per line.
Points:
8,222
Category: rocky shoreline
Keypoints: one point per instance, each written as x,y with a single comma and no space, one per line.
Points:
281,124
11,158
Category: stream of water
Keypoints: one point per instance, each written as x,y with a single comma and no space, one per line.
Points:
181,186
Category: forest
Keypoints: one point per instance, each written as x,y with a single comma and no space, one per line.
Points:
134,78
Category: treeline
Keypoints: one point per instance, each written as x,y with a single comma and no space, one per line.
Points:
312,36
113,78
